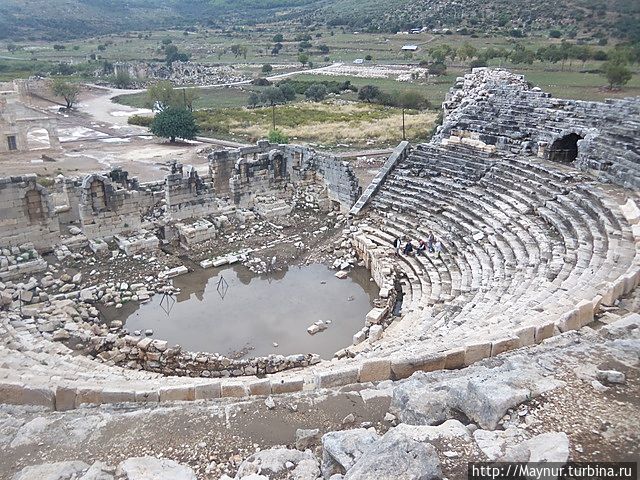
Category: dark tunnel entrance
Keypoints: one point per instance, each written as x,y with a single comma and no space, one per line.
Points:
565,149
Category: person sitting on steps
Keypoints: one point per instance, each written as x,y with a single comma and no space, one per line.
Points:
408,248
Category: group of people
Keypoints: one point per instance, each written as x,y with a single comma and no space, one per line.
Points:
431,244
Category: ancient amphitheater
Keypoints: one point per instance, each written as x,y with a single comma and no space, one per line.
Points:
535,202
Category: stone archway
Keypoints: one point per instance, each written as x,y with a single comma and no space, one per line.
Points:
565,149
38,138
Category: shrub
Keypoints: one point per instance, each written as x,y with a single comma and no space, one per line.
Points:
276,136
316,92
140,120
261,82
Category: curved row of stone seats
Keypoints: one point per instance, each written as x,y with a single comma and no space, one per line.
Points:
561,245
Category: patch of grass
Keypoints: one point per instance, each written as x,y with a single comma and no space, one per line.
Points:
579,86
327,123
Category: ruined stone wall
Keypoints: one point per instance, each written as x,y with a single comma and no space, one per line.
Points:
17,120
27,214
270,168
180,73
188,195
341,182
109,208
497,110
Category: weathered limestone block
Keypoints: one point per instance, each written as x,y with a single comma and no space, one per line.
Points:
65,398
526,336
88,395
454,358
375,370
177,394
234,389
405,367
18,394
476,352
109,395
207,391
375,315
504,345
585,312
569,321
147,396
338,377
631,212
287,385
260,387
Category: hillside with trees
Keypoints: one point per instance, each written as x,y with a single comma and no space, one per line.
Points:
42,19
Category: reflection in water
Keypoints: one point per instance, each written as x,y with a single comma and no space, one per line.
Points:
257,310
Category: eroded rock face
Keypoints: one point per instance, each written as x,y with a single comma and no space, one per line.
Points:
341,450
52,471
397,456
274,462
151,468
483,394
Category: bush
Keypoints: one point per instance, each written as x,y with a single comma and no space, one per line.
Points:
368,93
276,136
316,92
332,86
266,68
478,63
140,120
261,82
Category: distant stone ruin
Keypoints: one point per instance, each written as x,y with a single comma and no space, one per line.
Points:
180,73
18,121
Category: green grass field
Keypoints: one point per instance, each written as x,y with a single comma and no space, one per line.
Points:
328,124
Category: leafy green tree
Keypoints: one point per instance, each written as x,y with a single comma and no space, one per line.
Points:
288,91
617,74
239,50
316,92
410,100
277,136
253,100
324,49
122,79
161,96
369,93
174,123
278,38
68,91
467,51
437,68
173,55
303,58
267,68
